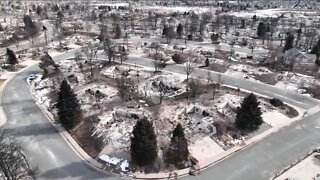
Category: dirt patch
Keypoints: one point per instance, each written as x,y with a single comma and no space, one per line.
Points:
19,67
2,81
82,134
269,78
313,90
290,111
220,54
218,67
226,134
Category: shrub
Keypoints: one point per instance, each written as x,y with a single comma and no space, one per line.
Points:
177,58
276,102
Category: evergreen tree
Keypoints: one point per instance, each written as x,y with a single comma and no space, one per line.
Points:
261,30
214,37
299,32
249,114
11,57
30,26
118,32
177,152
289,42
254,17
179,30
317,62
143,143
47,61
243,24
28,23
165,31
39,10
93,16
69,111
316,49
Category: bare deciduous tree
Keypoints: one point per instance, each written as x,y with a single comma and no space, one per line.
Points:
188,68
108,48
194,88
215,86
123,54
163,91
77,58
122,87
13,163
90,53
219,80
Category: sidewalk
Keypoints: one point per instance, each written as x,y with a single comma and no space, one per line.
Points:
92,163
71,142
223,155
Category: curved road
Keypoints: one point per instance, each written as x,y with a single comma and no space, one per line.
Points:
263,160
43,145
47,150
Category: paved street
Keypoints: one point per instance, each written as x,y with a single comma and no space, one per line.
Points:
254,86
44,147
194,44
39,41
47,149
264,159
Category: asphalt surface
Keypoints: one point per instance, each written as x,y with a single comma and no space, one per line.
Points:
43,145
264,159
48,151
245,84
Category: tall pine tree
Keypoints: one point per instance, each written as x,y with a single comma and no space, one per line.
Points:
177,152
69,110
118,32
11,57
289,42
179,30
261,30
249,114
144,148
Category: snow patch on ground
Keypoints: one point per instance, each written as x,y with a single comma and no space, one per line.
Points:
295,82
122,163
117,125
246,71
166,9
41,90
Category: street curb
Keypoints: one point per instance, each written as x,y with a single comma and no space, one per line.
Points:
73,144
236,149
233,150
64,134
278,174
2,113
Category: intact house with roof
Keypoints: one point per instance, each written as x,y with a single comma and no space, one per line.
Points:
296,59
